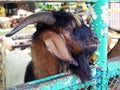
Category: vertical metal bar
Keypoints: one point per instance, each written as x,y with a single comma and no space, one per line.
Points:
100,25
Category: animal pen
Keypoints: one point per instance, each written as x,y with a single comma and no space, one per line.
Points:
106,73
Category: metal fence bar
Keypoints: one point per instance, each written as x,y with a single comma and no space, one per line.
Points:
62,81
100,24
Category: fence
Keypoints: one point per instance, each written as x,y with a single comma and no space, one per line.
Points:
106,73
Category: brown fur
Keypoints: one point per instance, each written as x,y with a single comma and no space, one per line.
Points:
41,58
74,45
41,55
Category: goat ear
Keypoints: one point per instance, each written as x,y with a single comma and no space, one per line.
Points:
57,47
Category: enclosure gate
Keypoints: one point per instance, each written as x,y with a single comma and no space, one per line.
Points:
106,74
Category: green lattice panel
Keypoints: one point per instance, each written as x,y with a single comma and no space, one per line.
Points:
114,82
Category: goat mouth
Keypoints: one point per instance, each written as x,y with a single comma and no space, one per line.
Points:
92,45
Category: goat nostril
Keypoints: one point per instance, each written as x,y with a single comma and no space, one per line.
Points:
95,37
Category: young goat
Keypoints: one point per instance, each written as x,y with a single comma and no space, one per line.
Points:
61,42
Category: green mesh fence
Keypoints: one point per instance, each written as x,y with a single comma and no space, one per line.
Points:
114,82
114,73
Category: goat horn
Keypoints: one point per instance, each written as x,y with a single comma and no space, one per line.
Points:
45,17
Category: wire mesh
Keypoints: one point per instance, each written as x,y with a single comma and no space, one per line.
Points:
114,82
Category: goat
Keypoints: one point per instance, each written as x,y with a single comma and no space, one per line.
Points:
57,42
14,61
13,67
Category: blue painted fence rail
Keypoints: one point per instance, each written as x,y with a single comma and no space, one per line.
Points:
62,81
